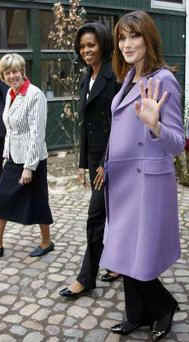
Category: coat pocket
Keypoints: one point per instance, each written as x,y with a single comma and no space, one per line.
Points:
158,166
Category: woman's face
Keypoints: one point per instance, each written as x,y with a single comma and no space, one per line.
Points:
132,47
90,49
14,78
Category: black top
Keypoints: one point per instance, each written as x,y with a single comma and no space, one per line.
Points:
3,93
129,86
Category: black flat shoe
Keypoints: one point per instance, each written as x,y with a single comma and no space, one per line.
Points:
109,277
162,327
125,328
42,251
70,294
1,252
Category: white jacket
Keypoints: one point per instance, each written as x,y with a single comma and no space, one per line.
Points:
25,122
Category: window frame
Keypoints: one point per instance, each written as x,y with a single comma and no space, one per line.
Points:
169,5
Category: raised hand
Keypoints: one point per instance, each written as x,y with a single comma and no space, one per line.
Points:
149,108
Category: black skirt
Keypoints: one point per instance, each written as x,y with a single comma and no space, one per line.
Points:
28,203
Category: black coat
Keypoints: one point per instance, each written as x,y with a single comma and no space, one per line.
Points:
95,113
3,93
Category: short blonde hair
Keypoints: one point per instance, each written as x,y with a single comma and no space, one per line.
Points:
12,61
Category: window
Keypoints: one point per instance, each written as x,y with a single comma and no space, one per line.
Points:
175,5
108,21
13,29
58,79
47,18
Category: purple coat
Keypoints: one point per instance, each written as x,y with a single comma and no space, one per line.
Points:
142,234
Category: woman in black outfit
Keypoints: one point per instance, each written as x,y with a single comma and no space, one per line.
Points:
94,46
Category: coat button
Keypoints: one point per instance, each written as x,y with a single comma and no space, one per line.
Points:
140,143
138,170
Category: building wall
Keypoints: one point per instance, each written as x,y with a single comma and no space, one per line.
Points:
24,28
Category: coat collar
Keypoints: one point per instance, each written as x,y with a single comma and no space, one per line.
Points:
22,90
133,94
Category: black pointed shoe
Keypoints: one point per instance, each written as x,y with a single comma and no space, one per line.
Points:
38,251
109,277
125,328
1,252
162,327
66,292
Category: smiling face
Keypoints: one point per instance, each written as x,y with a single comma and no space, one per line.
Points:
90,49
132,47
14,78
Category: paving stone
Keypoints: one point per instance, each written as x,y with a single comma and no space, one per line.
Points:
55,319
7,338
29,309
182,273
12,318
181,327
52,330
69,322
88,323
182,337
180,316
107,323
98,312
3,310
4,287
41,314
34,325
77,311
42,293
112,338
18,330
56,277
97,335
34,336
115,315
175,288
2,326
53,339
73,333
105,303
182,298
85,301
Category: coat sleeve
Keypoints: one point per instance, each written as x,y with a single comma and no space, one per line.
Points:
171,118
37,117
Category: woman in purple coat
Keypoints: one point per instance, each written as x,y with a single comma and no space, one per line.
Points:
142,235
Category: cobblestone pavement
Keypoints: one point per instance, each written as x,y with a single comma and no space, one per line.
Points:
31,309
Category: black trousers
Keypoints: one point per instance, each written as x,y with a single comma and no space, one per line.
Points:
2,141
146,301
95,229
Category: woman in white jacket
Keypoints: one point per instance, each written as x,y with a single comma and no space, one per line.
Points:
23,184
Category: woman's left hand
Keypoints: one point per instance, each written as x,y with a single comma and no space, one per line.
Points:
99,179
149,109
26,177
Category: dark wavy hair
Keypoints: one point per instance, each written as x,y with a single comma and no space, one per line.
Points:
141,23
103,37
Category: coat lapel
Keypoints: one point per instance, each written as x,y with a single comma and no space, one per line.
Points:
84,90
100,82
16,103
133,94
